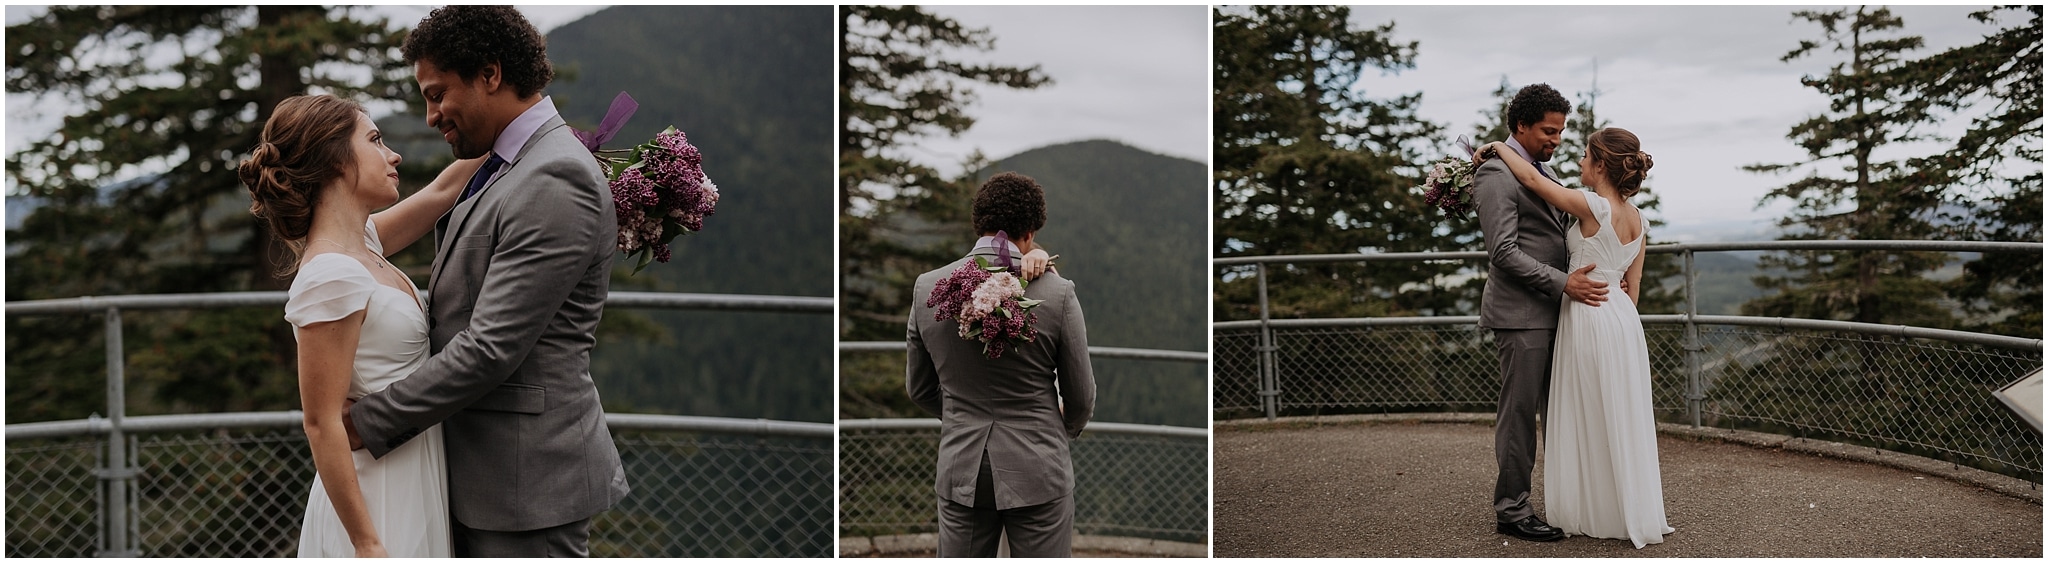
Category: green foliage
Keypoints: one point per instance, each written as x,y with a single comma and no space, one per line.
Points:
1993,171
1306,164
897,85
1869,108
759,115
174,96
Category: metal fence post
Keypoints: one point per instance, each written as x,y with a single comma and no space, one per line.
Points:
1269,385
116,512
1695,393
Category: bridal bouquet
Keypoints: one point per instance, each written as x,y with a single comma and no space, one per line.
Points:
659,188
988,301
1448,185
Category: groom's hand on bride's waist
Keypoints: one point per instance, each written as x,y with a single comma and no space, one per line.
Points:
348,424
1581,288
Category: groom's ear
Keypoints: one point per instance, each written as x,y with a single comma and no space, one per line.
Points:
490,78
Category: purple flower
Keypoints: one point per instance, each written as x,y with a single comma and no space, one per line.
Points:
954,291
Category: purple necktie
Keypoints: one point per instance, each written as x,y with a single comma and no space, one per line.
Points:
483,176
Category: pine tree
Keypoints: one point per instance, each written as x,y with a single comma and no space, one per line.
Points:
1305,163
899,217
171,97
1869,107
896,86
1993,171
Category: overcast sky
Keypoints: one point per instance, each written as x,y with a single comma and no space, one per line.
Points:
1702,86
1135,74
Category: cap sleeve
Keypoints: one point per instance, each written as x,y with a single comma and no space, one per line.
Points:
328,287
1602,211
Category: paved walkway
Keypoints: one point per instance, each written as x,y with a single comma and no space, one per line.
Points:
1412,489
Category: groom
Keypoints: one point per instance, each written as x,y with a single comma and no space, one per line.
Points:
521,268
1004,424
1526,258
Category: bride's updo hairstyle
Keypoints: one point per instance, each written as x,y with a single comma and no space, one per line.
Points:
1618,151
304,146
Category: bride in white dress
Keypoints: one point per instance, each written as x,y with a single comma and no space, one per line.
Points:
1600,477
319,171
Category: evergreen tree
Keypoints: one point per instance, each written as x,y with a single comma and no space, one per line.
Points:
900,217
172,97
896,86
1305,163
1870,106
1993,171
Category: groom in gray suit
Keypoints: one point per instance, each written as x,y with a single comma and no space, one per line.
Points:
1526,258
521,268
1004,424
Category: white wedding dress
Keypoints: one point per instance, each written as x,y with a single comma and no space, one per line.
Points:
1600,477
406,491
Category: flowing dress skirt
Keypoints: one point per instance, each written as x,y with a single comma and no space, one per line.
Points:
1600,476
407,496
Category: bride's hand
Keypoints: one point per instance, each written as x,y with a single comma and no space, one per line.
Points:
371,549
456,176
1484,152
1036,263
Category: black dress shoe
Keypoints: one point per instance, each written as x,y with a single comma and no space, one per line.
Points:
1531,528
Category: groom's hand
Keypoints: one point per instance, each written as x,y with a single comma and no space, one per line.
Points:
349,424
1580,287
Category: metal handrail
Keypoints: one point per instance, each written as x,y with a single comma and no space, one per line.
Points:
1117,428
96,425
1673,248
638,299
1094,351
116,473
1903,331
1695,395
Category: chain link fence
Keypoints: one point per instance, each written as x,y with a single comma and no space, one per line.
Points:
241,492
1917,395
1130,480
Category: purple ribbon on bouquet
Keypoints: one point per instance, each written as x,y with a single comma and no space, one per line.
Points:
1466,144
615,118
1003,250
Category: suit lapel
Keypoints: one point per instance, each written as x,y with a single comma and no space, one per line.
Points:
458,218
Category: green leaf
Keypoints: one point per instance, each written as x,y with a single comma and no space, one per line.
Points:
646,257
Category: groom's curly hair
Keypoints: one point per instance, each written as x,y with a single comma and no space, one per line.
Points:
463,39
1532,103
1009,202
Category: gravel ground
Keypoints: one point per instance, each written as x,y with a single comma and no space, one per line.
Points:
1424,490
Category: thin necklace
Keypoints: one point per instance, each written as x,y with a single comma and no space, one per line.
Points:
377,261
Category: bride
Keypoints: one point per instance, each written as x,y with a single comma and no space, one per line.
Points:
320,169
1601,478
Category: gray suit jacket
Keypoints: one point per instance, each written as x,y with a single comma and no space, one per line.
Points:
1525,252
519,284
1009,407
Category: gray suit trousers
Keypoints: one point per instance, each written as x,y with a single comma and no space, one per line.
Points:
1043,530
1524,393
567,540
